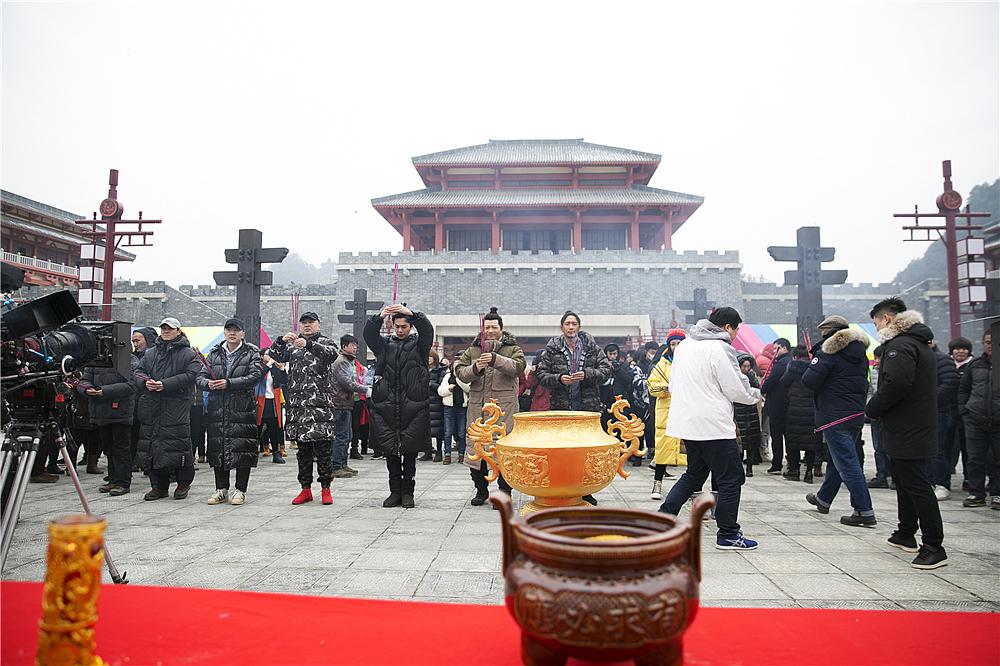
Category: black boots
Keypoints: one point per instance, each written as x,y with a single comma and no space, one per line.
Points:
808,478
407,494
749,470
426,457
276,457
482,489
792,474
400,494
395,497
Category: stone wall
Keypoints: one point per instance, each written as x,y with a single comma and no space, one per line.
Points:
591,281
456,283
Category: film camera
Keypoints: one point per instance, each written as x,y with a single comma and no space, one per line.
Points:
42,353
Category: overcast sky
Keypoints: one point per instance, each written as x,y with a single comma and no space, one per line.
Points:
290,116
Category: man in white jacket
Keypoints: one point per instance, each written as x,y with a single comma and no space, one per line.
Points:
705,381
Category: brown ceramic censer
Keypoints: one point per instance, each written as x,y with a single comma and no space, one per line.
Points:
601,584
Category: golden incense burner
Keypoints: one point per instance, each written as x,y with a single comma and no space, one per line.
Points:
558,457
72,585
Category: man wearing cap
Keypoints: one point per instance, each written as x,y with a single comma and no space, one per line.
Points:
164,378
838,377
230,376
310,408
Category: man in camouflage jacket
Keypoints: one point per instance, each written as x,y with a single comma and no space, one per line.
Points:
309,406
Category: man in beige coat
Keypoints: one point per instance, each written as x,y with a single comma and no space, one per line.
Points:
492,367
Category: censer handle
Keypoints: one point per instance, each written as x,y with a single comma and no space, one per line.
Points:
481,432
629,429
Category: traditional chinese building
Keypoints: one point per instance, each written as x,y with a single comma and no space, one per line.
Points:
537,195
43,241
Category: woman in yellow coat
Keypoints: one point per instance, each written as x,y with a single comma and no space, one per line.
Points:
669,450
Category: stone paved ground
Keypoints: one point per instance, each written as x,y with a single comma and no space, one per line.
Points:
447,550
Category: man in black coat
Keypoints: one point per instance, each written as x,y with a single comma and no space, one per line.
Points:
776,401
947,404
838,376
112,404
906,402
960,350
399,409
231,375
980,408
164,378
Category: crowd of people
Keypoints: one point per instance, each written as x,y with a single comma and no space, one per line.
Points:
710,411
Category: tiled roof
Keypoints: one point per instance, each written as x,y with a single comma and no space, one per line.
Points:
537,151
638,195
39,207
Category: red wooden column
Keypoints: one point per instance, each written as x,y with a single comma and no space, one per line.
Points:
577,231
438,233
668,229
634,231
407,241
495,235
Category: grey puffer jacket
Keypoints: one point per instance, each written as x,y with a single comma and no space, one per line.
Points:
309,402
345,382
231,419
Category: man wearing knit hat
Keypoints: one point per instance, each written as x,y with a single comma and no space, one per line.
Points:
838,375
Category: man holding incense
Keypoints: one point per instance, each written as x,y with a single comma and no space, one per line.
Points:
838,376
492,367
310,408
400,425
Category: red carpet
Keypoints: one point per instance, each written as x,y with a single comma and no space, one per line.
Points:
158,625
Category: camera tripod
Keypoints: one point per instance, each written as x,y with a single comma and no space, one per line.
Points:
21,443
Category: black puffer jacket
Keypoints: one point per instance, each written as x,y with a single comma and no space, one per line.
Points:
231,420
746,416
977,402
165,416
800,419
775,394
906,399
838,375
947,374
116,404
399,410
435,375
554,364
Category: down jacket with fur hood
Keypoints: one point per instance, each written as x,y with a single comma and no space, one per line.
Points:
906,398
838,376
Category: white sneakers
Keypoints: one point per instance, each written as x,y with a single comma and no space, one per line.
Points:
238,497
941,493
219,497
657,493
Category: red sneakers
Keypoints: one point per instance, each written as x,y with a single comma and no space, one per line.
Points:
327,497
305,496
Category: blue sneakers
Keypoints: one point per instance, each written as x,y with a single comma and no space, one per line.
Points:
738,543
